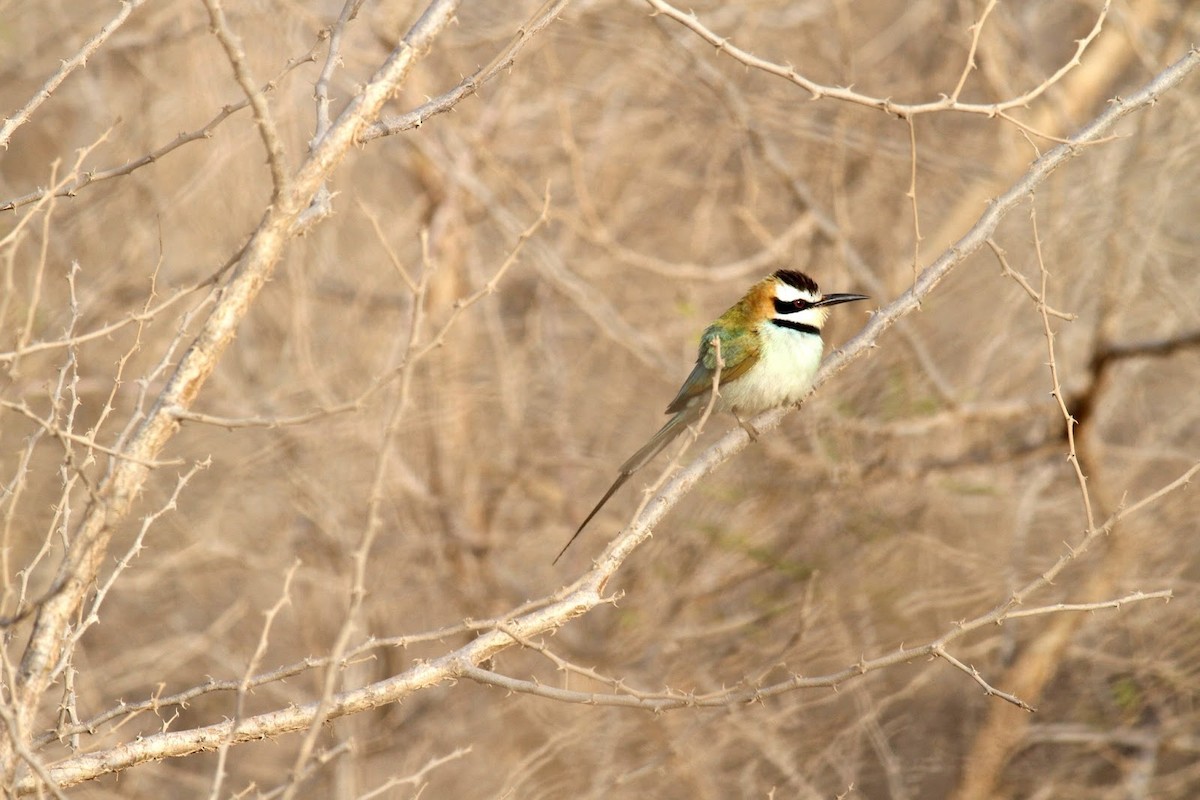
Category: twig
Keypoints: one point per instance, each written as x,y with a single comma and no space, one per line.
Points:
825,222
885,318
976,31
358,587
670,699
490,287
263,118
607,317
1165,594
80,180
332,60
91,444
388,125
417,777
13,730
243,688
571,601
21,115
988,689
1057,392
911,194
1024,284
819,91
92,616
148,435
315,763
322,201
158,702
411,358
393,258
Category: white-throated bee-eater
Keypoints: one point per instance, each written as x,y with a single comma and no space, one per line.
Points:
770,346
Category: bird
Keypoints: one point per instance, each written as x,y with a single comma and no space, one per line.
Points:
770,348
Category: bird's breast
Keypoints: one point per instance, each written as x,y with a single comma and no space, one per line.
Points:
785,369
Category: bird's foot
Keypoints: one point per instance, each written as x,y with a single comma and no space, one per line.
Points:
750,430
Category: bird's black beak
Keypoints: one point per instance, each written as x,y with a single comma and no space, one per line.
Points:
835,299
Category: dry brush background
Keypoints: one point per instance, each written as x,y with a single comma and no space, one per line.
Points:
488,315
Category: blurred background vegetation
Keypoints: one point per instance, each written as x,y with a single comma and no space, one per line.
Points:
919,487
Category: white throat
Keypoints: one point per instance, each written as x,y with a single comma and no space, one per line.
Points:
783,373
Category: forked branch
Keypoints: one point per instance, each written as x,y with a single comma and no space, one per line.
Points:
588,591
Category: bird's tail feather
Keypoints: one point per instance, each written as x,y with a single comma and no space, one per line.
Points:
666,434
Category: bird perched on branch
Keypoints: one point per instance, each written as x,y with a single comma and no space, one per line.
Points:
770,347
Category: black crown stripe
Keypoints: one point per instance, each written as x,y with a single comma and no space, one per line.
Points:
799,280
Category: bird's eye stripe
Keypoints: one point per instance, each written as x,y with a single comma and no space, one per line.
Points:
791,306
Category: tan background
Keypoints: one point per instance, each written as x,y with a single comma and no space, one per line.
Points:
919,487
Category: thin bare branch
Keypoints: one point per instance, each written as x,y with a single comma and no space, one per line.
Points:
260,650
1057,392
885,318
627,696
1023,282
976,31
259,259
819,91
80,180
587,592
387,126
263,118
988,689
89,48
91,444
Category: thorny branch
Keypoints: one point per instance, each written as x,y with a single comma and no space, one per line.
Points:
948,102
89,48
588,591
123,483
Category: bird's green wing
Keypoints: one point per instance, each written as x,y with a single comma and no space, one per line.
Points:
739,352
